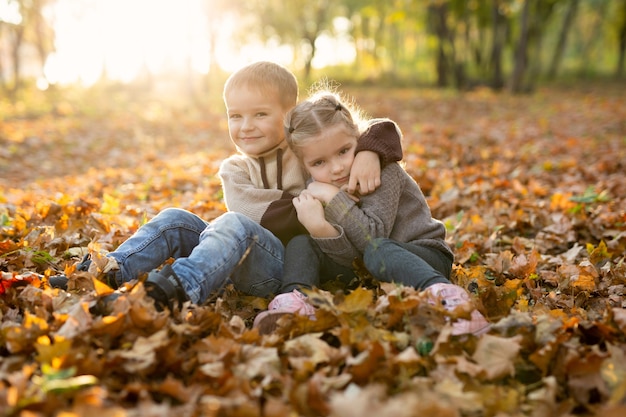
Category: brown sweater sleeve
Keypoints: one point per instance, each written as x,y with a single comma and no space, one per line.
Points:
383,137
281,219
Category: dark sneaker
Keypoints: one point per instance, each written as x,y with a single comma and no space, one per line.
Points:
84,264
165,288
103,306
60,281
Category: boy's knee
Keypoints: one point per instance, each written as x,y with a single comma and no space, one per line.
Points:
236,224
172,214
234,218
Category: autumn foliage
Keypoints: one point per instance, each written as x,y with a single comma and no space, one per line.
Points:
532,190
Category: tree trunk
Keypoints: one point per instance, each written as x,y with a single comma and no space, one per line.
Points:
2,81
497,78
16,46
438,14
560,46
521,51
621,44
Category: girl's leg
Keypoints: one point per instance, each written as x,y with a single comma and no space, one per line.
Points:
411,265
425,269
173,233
232,247
302,264
306,266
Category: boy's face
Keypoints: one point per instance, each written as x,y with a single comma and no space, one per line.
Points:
328,157
255,119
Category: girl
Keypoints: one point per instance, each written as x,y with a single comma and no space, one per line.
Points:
391,229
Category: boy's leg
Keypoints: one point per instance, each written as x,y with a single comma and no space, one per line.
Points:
232,247
411,265
173,233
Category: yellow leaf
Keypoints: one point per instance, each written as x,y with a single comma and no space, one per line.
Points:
357,300
583,282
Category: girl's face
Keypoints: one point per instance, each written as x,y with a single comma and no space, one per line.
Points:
328,157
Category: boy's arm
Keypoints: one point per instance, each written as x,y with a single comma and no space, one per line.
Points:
281,219
378,146
383,137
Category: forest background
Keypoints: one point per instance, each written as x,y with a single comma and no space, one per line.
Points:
514,122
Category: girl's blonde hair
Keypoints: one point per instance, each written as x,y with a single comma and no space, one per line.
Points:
320,111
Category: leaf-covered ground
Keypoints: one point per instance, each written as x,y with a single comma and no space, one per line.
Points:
532,190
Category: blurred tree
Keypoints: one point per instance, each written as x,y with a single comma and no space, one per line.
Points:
499,34
298,23
621,39
28,27
568,20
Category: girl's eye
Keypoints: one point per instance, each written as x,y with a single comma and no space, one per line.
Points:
317,163
261,114
234,116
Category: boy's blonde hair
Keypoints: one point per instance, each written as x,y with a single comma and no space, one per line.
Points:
321,111
267,77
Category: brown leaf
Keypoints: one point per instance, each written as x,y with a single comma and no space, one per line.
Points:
496,355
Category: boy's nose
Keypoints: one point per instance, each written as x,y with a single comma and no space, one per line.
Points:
247,124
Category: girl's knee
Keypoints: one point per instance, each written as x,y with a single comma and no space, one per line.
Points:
376,247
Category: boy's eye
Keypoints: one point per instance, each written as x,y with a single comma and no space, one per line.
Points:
234,116
261,114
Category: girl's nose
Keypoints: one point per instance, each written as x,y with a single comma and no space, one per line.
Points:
337,166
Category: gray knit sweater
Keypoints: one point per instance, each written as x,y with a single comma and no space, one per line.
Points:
397,210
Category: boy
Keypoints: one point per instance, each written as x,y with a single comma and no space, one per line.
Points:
244,245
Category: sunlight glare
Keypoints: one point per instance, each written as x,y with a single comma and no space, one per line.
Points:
10,12
126,39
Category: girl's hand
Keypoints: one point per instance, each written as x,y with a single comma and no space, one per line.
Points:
311,214
365,173
322,191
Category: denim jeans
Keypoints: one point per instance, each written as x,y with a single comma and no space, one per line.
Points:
306,266
403,263
207,255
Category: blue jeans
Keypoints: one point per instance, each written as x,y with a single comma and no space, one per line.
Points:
403,263
207,255
306,266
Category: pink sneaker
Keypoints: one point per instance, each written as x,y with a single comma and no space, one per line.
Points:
451,296
289,303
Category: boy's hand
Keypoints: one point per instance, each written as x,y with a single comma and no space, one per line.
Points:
311,214
365,173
